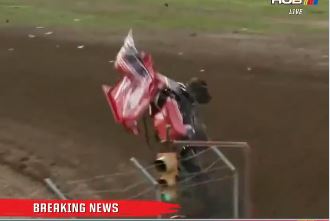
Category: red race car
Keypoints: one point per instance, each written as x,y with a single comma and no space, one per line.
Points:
142,89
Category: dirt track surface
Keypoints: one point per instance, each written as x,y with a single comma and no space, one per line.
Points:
52,111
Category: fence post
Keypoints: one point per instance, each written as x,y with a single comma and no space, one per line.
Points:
55,189
148,176
247,197
235,181
236,195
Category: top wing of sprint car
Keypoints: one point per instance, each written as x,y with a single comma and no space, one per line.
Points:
130,97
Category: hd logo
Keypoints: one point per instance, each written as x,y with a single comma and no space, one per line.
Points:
294,2
295,11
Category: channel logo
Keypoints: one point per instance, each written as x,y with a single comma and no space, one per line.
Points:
294,2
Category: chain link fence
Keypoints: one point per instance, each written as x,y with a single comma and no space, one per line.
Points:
219,189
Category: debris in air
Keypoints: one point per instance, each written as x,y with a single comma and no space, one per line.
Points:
166,4
31,36
49,33
76,19
40,27
80,46
249,69
111,61
202,70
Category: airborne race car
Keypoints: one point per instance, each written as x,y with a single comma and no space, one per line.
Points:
170,104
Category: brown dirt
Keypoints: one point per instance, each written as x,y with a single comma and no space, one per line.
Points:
52,109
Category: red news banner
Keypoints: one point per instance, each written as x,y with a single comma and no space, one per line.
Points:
85,208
